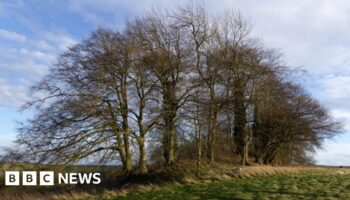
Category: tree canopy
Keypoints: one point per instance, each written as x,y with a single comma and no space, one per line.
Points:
173,85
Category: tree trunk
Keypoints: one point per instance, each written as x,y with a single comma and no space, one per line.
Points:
126,133
199,152
210,153
169,145
212,117
171,148
245,153
212,135
142,159
128,162
240,122
169,117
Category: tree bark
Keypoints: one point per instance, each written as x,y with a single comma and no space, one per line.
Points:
143,158
240,122
212,131
199,148
169,117
128,161
169,144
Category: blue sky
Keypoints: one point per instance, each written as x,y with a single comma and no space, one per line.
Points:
311,34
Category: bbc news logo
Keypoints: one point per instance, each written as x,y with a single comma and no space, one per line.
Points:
47,178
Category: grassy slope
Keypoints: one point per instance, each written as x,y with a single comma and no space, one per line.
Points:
282,186
219,181
222,181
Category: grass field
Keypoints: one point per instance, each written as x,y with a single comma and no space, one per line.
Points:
282,186
218,181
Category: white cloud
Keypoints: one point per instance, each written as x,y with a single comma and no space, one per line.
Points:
109,12
7,139
333,154
311,33
337,86
333,91
24,63
13,94
60,40
31,59
9,35
43,45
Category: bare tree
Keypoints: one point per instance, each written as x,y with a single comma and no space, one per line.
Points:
165,54
84,111
201,83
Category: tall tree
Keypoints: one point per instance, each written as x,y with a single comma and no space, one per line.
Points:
165,54
84,111
166,73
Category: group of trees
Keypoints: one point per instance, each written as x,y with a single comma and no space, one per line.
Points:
173,85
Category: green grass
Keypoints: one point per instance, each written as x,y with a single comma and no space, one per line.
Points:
282,186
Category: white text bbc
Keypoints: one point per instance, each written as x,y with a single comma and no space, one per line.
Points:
47,178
